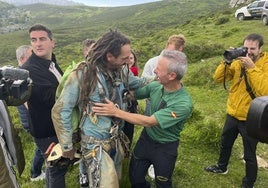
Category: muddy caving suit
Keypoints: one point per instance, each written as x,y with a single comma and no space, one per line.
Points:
102,141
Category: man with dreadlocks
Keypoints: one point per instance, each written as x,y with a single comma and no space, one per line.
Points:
104,75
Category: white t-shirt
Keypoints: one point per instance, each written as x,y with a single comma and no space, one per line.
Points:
150,65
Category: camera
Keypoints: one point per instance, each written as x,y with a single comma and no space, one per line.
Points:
14,83
257,119
229,55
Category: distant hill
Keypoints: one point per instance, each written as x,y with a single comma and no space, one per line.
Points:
4,5
52,2
72,24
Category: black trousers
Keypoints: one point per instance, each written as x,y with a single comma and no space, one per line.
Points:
231,129
55,176
162,156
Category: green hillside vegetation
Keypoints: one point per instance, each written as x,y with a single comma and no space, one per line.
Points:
4,7
140,22
209,26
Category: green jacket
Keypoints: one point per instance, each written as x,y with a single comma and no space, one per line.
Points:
239,99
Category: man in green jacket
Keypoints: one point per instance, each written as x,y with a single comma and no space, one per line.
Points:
249,76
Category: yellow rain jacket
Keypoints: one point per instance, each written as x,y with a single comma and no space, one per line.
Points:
239,99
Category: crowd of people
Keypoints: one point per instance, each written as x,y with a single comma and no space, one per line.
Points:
105,86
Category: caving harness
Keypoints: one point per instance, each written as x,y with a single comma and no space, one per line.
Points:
117,145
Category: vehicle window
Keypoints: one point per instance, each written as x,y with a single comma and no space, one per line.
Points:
260,4
253,5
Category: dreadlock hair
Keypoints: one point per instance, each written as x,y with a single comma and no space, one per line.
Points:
110,42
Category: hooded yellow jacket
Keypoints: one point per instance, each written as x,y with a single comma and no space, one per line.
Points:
239,99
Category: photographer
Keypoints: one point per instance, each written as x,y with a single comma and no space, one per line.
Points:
15,88
249,76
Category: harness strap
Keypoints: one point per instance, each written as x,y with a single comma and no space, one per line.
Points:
92,140
106,144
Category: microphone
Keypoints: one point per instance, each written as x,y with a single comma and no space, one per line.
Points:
9,72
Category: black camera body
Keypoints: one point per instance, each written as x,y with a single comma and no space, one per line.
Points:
14,82
231,54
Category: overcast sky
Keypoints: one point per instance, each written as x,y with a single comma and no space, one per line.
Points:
113,3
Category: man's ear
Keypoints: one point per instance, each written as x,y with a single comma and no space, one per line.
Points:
53,43
172,76
21,59
109,56
260,49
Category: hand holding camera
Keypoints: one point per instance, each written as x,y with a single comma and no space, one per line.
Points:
231,54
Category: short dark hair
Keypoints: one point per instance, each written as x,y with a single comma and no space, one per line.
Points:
255,37
40,27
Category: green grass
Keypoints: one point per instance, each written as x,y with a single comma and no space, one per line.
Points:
208,35
194,154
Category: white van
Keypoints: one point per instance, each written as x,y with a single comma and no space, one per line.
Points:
253,10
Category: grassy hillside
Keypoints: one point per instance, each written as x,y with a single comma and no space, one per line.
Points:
208,35
71,25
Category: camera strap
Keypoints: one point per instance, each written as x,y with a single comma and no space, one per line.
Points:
248,88
243,73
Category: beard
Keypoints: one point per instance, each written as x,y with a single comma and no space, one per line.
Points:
253,57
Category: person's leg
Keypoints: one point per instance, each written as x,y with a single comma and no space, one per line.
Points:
228,137
128,129
164,163
139,164
37,163
55,176
250,146
83,177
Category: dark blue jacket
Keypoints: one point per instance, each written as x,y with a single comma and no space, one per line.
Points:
42,98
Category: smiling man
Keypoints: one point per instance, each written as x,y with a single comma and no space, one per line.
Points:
104,75
171,106
45,74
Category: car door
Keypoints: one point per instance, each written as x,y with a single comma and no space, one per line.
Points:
255,9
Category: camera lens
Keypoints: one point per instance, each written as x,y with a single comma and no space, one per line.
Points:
229,55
